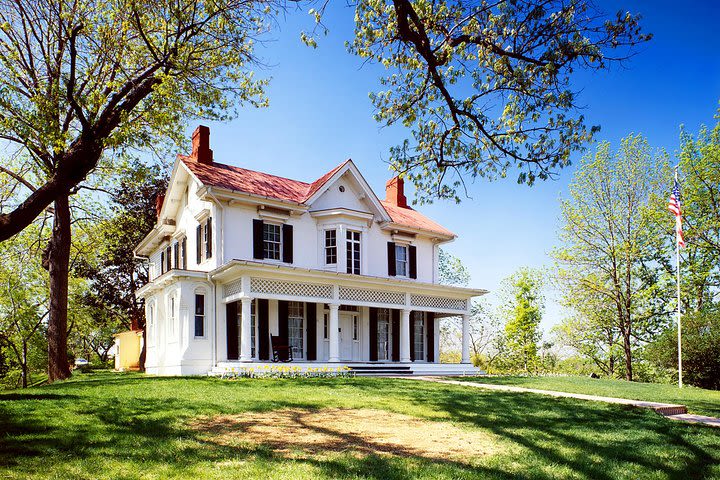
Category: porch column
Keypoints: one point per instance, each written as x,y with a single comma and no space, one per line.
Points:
245,334
405,336
333,326
466,338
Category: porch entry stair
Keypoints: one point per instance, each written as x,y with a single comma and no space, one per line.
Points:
365,369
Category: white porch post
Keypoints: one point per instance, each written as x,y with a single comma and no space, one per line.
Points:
334,334
466,338
405,336
245,334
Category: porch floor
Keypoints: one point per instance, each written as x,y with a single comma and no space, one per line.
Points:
361,368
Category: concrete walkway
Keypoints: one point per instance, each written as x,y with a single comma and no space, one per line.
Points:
669,410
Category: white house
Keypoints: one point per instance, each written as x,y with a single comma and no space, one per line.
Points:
330,270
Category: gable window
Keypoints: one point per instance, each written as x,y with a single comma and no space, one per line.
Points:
203,241
199,315
401,260
271,241
353,252
330,247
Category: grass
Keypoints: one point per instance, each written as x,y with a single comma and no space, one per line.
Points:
130,426
698,400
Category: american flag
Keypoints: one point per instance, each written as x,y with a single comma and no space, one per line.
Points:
674,207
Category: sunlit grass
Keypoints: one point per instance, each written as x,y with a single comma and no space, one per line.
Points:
132,426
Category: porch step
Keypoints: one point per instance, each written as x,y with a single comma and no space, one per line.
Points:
380,370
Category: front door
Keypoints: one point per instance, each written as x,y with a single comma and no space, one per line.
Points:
349,335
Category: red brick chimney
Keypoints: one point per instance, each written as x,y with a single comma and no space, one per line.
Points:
159,200
201,145
395,192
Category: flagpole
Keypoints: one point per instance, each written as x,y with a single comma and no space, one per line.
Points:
677,273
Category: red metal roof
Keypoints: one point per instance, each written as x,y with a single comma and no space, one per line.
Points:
285,189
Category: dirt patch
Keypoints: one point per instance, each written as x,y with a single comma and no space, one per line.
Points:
362,431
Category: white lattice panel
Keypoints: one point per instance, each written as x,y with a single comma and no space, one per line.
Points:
293,289
233,287
443,303
371,296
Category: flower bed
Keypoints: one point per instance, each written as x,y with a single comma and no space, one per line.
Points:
283,371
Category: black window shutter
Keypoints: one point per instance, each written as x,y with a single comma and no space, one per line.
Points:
430,337
232,330
208,247
162,262
311,309
198,250
287,243
395,315
413,261
283,319
258,239
373,334
391,259
412,336
263,326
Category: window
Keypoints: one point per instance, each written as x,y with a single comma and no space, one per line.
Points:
168,258
383,334
356,327
171,316
162,262
401,260
203,241
325,326
419,335
183,253
271,241
353,252
295,328
199,315
176,255
330,247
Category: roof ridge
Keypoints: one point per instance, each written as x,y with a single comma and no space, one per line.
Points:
234,167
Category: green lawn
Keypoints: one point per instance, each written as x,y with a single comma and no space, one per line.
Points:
131,426
702,402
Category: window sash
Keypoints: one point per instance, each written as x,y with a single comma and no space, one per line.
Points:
401,260
419,336
330,247
272,241
353,252
199,315
253,326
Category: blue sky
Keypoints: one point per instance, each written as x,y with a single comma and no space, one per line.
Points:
320,115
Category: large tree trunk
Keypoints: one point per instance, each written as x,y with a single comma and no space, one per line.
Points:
628,355
57,264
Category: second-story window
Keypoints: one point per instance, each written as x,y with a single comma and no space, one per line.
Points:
330,247
183,253
168,258
401,260
271,241
203,241
353,252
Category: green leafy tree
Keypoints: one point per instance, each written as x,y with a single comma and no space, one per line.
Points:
523,311
486,87
23,301
84,79
700,348
612,248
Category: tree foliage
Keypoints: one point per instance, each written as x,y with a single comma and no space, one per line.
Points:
611,245
523,309
486,87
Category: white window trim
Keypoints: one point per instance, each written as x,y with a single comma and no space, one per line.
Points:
204,336
325,247
360,243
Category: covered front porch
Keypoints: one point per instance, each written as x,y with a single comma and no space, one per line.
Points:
332,318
